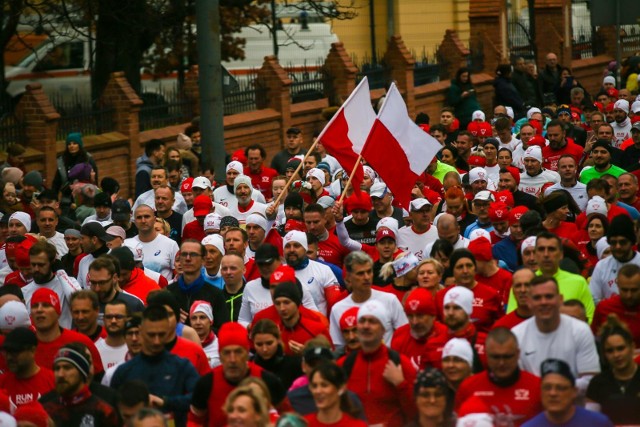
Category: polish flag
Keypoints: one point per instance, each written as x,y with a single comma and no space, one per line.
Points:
397,149
347,131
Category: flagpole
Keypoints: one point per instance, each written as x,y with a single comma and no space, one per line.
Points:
286,188
353,172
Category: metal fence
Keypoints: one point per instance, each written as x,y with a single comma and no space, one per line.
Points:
245,96
428,69
519,33
307,82
11,131
377,72
630,38
164,109
80,114
585,39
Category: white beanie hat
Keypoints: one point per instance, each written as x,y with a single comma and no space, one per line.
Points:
602,245
622,104
258,220
529,242
533,152
368,170
509,111
316,173
475,420
478,115
479,232
635,107
597,205
375,309
214,240
202,306
14,314
532,111
241,179
458,347
212,222
460,296
296,236
477,174
23,217
236,166
609,79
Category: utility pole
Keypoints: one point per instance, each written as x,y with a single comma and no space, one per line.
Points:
210,85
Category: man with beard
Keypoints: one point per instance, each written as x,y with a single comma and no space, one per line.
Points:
601,155
316,278
72,404
226,195
535,176
85,310
24,381
47,220
558,146
159,178
94,244
622,124
103,280
113,348
242,205
43,256
423,337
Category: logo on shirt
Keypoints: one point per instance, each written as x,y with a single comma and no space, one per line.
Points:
310,281
521,394
478,302
157,253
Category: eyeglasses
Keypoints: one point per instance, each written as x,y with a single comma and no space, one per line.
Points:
100,283
114,316
185,255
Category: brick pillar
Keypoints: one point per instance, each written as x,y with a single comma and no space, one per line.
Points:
120,96
273,91
553,30
609,39
340,69
488,32
41,122
399,60
191,89
454,52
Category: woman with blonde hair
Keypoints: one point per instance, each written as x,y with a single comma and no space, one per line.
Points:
162,227
244,408
430,272
400,274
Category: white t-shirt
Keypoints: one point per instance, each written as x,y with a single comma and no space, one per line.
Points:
315,277
111,356
620,133
103,221
396,315
256,298
512,145
189,216
149,198
223,196
61,284
83,271
572,342
578,192
159,255
241,216
409,240
533,184
58,241
603,282
213,353
493,172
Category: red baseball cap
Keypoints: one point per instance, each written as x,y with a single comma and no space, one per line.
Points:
202,205
282,274
384,232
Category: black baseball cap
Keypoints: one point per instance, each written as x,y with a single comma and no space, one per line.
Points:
317,354
102,199
121,210
94,229
48,194
294,130
266,254
20,339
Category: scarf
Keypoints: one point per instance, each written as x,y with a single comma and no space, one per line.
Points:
81,396
192,287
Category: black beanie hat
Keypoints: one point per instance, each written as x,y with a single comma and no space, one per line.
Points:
458,254
554,201
288,290
294,200
602,143
622,225
163,298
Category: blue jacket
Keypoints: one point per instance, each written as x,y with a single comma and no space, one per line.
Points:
168,376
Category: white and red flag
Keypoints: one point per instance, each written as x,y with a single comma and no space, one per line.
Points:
347,131
397,149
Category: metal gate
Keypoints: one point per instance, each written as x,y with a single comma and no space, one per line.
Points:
519,32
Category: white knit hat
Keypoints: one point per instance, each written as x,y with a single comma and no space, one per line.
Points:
23,217
296,236
236,166
458,347
241,179
316,173
475,420
609,79
375,309
212,222
597,205
478,115
602,245
533,152
622,104
460,296
529,242
214,240
477,174
201,306
532,111
14,314
258,220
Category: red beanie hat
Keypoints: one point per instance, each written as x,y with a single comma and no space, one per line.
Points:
485,130
349,318
515,173
498,212
516,214
239,156
474,128
233,333
22,253
537,140
481,248
282,274
358,200
505,197
420,301
32,412
477,161
536,125
47,296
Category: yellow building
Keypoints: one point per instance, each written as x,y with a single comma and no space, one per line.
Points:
422,24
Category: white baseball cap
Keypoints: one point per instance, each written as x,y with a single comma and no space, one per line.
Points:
201,182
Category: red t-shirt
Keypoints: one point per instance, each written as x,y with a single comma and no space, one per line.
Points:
140,285
487,306
552,156
500,281
566,230
509,320
46,351
425,351
15,278
262,180
332,251
193,353
345,421
613,305
26,390
517,403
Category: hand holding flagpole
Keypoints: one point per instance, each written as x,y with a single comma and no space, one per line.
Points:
286,188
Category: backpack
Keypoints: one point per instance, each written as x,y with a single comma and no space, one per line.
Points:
350,360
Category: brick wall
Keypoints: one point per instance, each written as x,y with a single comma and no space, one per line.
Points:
589,72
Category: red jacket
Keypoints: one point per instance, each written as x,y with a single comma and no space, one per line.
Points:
193,353
487,306
302,332
425,351
613,305
140,285
500,281
382,402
